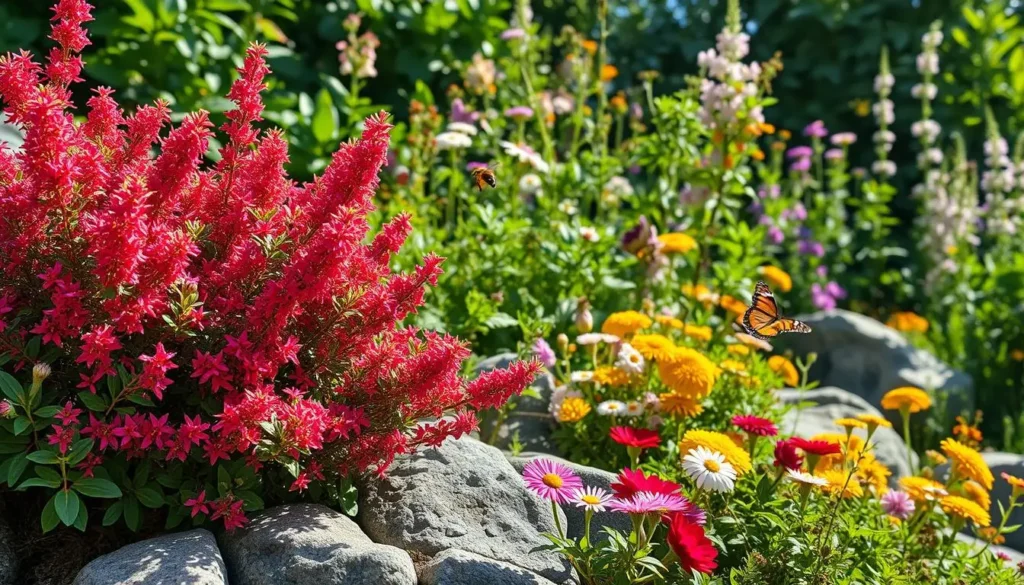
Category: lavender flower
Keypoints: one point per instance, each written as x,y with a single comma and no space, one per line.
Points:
460,113
811,248
775,235
519,112
844,138
897,504
816,129
801,165
513,33
800,152
543,352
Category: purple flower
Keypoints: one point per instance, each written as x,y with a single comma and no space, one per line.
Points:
822,271
768,192
897,504
543,352
513,33
636,111
634,169
756,208
811,248
801,165
775,235
640,236
765,220
821,299
475,165
459,113
835,290
833,154
519,112
550,480
797,213
651,503
799,152
816,129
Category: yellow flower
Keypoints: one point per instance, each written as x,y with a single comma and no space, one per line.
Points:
908,397
668,321
776,277
873,421
737,349
676,243
1017,355
861,107
974,492
687,372
625,323
785,369
652,346
680,405
732,304
611,376
873,473
922,489
991,535
1016,483
837,478
701,293
573,409
852,448
850,423
733,453
590,47
698,332
757,154
618,103
968,463
751,341
785,134
908,321
609,72
733,366
935,457
965,510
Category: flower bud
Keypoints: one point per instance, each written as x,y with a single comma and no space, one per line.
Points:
7,410
584,320
40,372
563,343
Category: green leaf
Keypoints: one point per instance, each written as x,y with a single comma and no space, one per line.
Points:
252,501
38,482
131,513
96,487
43,457
500,320
11,388
21,424
92,401
79,450
142,17
18,465
325,119
113,513
141,400
48,473
67,504
46,411
82,520
150,497
49,518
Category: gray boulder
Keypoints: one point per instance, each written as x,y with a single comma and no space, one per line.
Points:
462,495
458,567
529,423
303,544
575,517
1009,463
868,358
832,403
184,558
8,556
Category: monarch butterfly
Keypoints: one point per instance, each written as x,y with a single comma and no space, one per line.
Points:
763,319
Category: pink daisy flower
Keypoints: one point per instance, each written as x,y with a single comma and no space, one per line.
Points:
651,503
550,480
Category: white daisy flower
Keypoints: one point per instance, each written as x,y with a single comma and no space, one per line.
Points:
629,360
806,478
462,128
611,408
525,154
559,395
590,497
567,207
709,470
582,376
529,184
589,234
452,141
932,493
595,338
634,408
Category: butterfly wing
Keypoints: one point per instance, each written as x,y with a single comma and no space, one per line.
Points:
763,320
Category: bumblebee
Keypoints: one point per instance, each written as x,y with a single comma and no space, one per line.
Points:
484,177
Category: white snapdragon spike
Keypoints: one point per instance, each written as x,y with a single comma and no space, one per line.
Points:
629,360
709,470
729,81
884,82
452,141
611,408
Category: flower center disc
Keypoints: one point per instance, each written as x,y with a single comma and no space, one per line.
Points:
590,499
552,480
712,466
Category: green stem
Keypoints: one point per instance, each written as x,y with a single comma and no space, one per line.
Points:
558,521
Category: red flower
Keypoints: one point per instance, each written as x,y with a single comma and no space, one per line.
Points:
633,437
688,541
631,481
198,504
786,455
818,448
755,425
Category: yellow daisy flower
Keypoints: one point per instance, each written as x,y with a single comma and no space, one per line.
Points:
850,423
908,397
837,478
680,405
965,509
737,349
668,321
873,421
686,371
974,492
777,277
968,463
698,332
611,376
652,346
676,243
873,473
573,409
625,323
922,489
733,366
785,369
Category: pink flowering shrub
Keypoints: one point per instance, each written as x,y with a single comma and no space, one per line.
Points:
202,337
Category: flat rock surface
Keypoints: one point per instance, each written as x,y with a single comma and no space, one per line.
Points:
462,495
183,558
311,544
458,567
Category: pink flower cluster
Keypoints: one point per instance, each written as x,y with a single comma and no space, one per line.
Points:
244,315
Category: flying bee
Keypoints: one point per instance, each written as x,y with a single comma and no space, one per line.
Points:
484,177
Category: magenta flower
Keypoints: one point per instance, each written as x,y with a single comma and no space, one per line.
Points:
513,33
801,165
519,112
816,129
897,504
475,165
550,480
460,113
651,503
543,352
775,235
811,248
799,152
833,154
821,299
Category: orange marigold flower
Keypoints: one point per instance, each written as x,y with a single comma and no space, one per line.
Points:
688,372
968,463
785,369
590,47
873,421
777,277
609,72
572,409
625,323
611,376
974,491
732,304
668,321
676,243
907,397
965,509
652,346
680,405
908,322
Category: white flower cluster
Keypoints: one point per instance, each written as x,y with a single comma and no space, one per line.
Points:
885,114
998,183
949,217
730,82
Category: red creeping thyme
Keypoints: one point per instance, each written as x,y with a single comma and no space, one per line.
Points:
223,327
